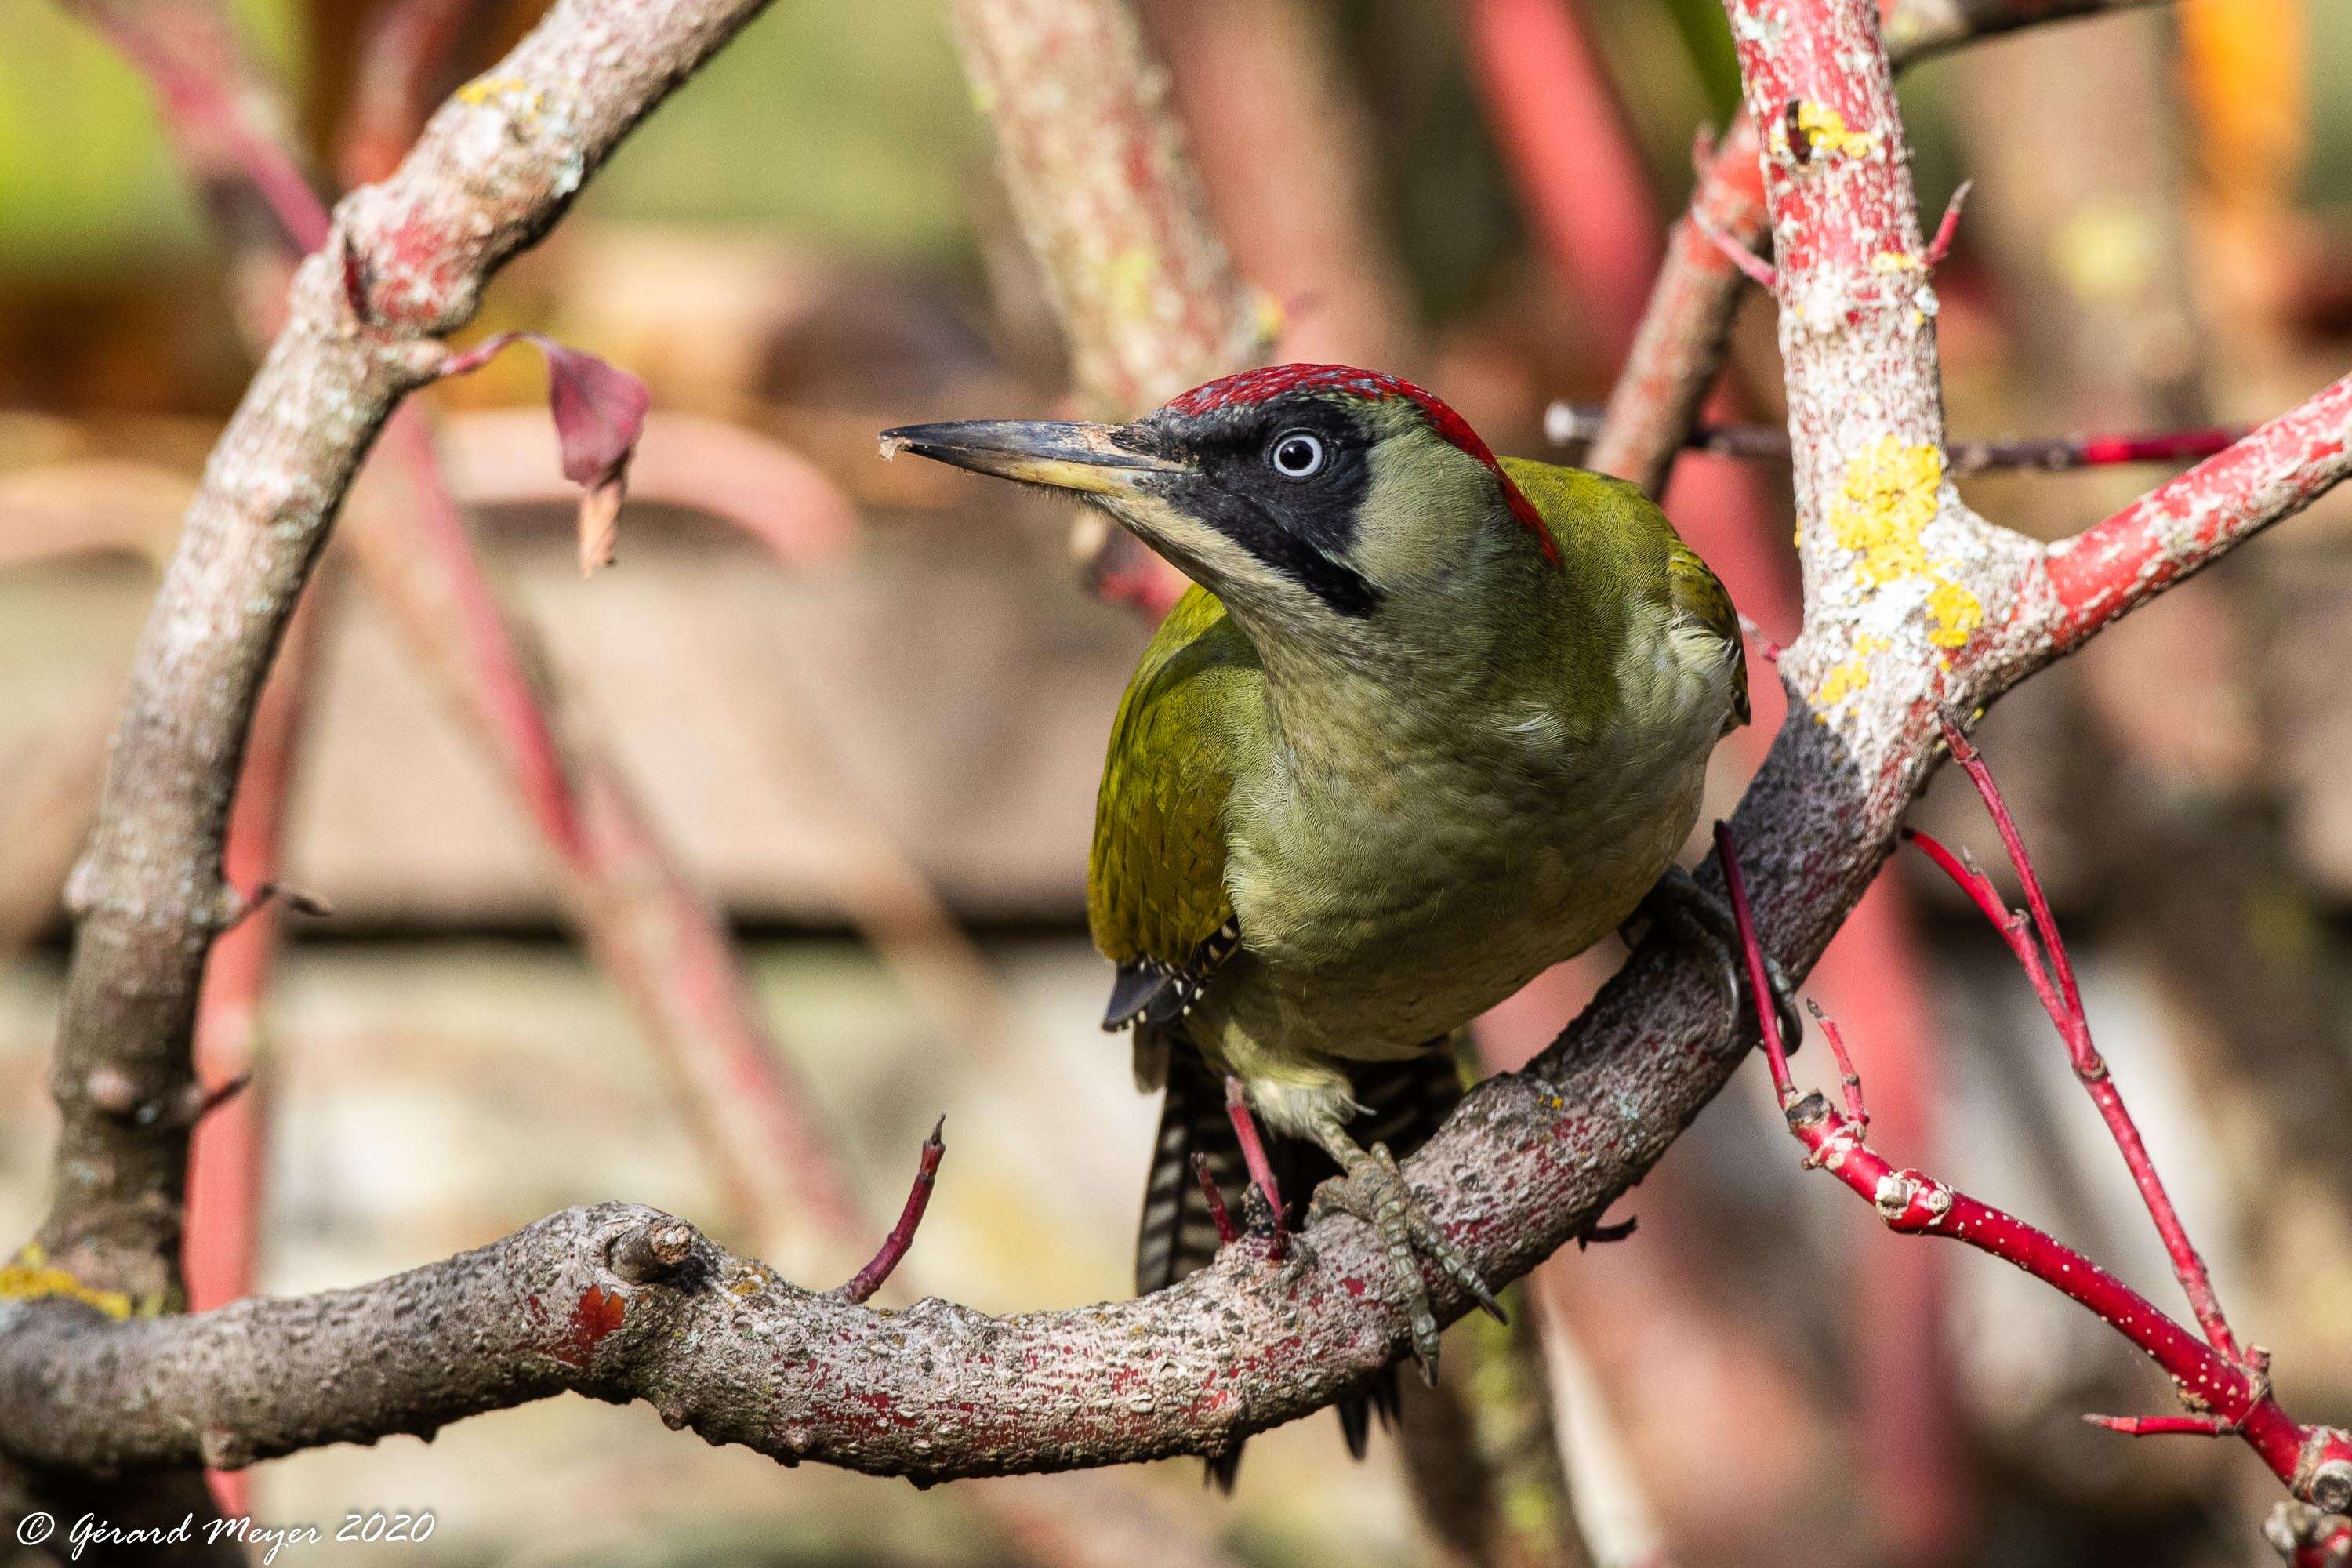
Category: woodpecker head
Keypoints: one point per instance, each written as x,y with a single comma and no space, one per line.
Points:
1306,497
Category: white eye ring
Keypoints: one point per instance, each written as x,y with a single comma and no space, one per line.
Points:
1296,455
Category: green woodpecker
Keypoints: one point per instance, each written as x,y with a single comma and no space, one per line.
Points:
1429,722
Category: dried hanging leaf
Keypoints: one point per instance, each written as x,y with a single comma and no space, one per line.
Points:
600,412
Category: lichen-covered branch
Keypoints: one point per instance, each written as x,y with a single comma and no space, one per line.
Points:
1678,347
407,263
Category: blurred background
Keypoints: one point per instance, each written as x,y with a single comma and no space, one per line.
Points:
846,718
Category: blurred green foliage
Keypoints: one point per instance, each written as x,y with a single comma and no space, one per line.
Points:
84,176
848,125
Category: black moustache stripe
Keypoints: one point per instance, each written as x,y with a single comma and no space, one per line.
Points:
1246,523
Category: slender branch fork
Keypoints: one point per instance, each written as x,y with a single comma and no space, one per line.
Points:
2227,1389
1938,608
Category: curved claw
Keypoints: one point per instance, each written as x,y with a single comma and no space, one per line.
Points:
1433,1242
1375,1191
1703,919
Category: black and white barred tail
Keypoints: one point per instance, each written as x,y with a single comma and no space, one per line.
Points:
1403,1102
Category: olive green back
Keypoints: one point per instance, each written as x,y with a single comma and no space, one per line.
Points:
1615,533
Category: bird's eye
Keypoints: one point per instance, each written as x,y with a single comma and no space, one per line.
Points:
1296,455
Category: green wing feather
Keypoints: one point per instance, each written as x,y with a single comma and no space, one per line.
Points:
1615,527
1699,594
1156,878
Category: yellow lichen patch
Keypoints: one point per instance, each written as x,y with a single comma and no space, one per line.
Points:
1841,682
1824,128
1844,679
1884,507
1890,495
29,1277
1893,261
1956,612
481,91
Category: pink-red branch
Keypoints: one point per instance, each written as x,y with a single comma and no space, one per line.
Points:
2181,525
877,1272
2315,1462
1576,162
2162,1425
2062,1000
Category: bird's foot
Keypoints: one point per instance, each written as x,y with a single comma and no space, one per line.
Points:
1375,1191
1703,919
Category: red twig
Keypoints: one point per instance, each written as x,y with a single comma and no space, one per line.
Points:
1573,425
2179,526
1227,1231
1734,250
1261,1169
1679,346
2315,1462
1849,1080
2064,1002
198,97
1940,246
868,1279
2162,1425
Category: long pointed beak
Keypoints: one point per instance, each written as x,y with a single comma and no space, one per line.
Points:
1092,458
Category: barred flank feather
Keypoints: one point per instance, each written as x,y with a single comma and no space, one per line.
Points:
1403,1102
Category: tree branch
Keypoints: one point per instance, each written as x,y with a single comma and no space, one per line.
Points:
1678,347
406,262
2181,527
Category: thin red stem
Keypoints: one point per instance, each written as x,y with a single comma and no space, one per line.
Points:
2065,1010
2163,1425
1261,1169
1227,1231
1760,983
1940,246
1754,268
868,1279
1916,1204
1849,1080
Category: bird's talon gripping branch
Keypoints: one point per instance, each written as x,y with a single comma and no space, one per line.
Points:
1375,1191
1703,919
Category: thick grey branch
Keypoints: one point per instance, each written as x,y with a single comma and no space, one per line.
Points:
406,262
